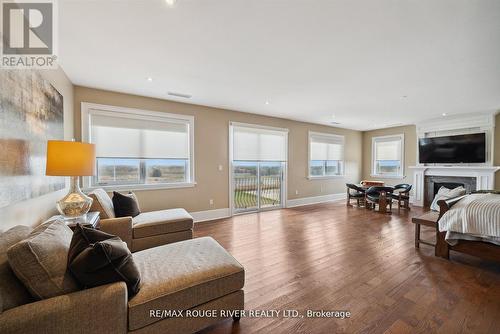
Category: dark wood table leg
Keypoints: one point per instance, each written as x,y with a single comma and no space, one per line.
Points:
382,202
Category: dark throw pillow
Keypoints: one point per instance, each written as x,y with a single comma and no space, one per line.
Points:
125,205
98,258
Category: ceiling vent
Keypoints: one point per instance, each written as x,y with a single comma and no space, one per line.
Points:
185,96
393,125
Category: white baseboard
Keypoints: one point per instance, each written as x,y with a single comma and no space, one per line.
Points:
201,216
315,200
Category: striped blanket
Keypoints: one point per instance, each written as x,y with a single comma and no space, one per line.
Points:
476,217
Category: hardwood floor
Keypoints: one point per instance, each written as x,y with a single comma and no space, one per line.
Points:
331,257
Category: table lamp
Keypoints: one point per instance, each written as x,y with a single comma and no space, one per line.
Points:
74,159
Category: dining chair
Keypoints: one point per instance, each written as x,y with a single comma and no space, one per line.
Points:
402,195
355,192
380,196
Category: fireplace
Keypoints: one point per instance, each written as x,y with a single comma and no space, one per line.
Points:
433,183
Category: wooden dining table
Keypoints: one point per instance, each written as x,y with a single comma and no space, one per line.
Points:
383,196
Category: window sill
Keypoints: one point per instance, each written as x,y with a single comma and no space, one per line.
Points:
382,176
325,177
139,187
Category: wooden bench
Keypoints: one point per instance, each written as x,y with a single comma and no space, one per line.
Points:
428,219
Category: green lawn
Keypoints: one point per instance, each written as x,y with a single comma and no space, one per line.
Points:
243,199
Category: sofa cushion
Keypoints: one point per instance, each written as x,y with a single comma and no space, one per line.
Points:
40,260
125,205
182,275
139,244
12,291
102,203
98,258
160,222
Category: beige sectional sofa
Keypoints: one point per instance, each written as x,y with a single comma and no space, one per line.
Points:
148,229
195,274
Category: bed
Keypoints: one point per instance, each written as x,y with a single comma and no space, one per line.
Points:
470,224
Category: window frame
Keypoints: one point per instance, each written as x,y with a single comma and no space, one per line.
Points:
311,134
400,174
89,109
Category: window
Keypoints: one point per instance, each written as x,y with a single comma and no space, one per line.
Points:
387,156
326,155
138,149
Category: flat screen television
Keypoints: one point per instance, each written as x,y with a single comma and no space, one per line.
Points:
469,148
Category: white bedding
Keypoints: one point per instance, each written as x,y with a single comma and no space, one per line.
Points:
476,217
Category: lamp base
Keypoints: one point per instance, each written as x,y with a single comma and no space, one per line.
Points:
75,203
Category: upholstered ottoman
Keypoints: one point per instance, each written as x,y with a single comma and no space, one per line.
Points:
191,274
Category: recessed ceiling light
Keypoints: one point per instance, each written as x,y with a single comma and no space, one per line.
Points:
267,102
149,79
171,3
444,114
186,96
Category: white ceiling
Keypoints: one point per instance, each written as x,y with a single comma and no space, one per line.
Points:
371,63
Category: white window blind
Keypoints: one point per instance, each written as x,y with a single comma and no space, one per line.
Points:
258,144
139,149
387,155
388,149
324,147
124,137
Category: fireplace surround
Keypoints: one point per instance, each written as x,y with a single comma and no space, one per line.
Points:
432,184
479,176
473,178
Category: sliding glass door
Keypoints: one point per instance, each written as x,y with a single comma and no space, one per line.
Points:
258,168
245,186
257,185
270,184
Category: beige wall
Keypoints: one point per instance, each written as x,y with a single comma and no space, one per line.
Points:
35,210
211,149
410,134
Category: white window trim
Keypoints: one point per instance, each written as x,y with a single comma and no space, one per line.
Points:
400,175
319,177
89,109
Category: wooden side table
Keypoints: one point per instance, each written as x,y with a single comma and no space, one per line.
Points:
91,219
428,219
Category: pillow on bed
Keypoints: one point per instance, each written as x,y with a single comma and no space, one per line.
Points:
445,193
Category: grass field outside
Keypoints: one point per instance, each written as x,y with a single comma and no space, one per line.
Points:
246,199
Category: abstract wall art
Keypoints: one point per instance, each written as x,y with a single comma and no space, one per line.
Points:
31,112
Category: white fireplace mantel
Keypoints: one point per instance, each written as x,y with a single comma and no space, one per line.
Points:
485,177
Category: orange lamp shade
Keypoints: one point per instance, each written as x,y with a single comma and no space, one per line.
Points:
69,158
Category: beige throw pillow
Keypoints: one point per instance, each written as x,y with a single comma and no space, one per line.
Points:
40,260
445,193
102,203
